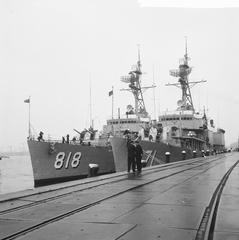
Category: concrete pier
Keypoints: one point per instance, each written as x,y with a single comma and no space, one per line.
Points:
163,202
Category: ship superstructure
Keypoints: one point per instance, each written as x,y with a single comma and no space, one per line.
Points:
184,127
180,132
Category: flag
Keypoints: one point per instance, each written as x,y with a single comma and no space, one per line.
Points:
27,100
110,93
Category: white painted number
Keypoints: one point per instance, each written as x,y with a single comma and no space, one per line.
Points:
76,160
59,160
60,157
67,160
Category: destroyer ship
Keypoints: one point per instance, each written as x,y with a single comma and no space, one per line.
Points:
180,135
87,154
56,161
174,136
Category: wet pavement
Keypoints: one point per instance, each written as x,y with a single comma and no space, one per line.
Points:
165,203
227,224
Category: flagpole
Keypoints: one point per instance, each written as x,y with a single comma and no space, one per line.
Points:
112,109
29,119
91,125
113,103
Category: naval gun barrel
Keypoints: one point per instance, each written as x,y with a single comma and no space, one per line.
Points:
77,131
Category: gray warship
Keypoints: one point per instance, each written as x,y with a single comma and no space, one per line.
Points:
177,135
174,136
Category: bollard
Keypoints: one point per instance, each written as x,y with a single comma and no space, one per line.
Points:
144,163
194,154
203,153
183,155
167,156
207,152
93,169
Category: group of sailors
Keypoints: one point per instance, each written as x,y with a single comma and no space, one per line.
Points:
74,140
135,154
153,133
64,139
85,135
67,139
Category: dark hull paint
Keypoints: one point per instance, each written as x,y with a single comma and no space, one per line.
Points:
162,148
120,152
50,181
44,155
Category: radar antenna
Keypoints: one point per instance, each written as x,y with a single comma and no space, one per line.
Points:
186,103
134,80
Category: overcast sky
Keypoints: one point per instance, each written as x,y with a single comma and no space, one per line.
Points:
52,49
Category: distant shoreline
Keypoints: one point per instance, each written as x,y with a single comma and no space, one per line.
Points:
14,153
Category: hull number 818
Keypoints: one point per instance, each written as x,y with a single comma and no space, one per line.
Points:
65,160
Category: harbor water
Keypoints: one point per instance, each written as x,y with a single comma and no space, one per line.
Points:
16,174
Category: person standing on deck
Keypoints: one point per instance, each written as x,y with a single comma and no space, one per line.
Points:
138,155
40,137
68,138
131,156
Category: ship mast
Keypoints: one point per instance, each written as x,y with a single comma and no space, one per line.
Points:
134,80
186,103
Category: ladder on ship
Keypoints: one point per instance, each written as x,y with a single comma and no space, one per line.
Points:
150,159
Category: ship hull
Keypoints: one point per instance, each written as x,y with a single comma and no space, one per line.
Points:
58,162
119,147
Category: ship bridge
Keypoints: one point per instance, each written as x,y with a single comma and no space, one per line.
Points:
182,119
130,121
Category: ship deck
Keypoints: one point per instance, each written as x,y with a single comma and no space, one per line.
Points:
189,138
182,200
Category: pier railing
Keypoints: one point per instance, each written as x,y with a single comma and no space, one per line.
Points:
97,142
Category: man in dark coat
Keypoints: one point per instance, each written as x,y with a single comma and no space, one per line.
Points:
138,156
68,138
40,137
131,156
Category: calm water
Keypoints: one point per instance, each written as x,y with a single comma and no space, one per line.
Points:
15,174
